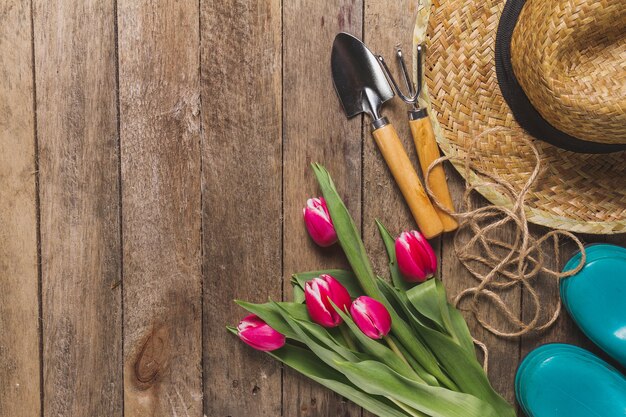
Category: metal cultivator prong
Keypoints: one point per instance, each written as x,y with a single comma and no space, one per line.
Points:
413,90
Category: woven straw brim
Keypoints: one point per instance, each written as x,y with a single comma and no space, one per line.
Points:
577,192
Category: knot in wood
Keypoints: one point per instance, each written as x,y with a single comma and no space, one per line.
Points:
152,358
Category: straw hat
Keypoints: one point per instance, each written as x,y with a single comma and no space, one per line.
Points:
553,70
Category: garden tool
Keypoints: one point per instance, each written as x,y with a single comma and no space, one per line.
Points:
424,137
362,88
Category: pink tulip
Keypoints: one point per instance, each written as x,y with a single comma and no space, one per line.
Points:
416,258
318,294
318,222
371,316
258,334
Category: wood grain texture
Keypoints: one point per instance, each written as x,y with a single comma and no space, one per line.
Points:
161,222
222,108
387,24
80,241
19,292
315,130
241,150
503,353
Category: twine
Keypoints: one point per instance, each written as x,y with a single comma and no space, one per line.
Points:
499,265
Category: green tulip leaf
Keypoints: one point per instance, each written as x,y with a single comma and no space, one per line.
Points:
461,330
304,361
390,246
298,293
443,314
398,298
455,323
458,360
272,316
464,370
307,363
347,233
335,360
425,299
317,337
431,301
352,245
324,337
379,351
378,379
419,369
321,349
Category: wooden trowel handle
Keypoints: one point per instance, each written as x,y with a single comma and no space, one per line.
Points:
409,183
428,151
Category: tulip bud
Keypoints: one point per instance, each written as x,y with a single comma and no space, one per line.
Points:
258,334
318,222
416,258
318,294
371,316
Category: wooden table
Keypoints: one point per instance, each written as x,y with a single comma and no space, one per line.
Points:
154,161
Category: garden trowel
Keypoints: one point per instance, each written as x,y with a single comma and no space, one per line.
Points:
363,88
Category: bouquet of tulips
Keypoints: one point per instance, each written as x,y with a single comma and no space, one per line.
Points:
395,348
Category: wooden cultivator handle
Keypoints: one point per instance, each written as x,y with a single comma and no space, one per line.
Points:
409,183
428,151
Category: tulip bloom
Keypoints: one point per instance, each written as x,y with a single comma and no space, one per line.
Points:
258,334
371,316
416,258
318,222
318,294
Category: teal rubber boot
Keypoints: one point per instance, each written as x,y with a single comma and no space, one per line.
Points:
558,380
596,297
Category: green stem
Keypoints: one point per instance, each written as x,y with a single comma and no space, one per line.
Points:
347,337
419,369
395,349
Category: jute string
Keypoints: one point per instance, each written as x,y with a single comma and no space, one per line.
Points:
499,265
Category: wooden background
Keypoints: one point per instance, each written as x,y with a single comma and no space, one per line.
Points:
154,160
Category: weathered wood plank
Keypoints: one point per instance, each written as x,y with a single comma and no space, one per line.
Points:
315,130
503,353
19,305
386,24
241,149
80,241
161,222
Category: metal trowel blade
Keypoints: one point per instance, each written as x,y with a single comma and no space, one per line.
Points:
358,77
